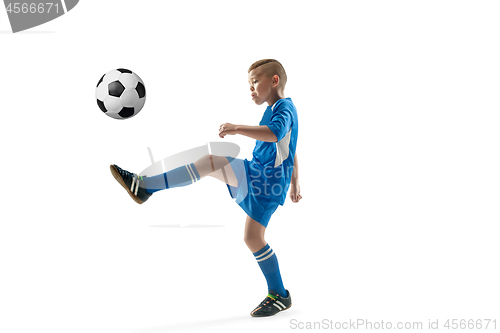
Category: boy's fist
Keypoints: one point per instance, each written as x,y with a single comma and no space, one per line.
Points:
295,193
227,129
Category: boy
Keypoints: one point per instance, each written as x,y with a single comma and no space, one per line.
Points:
259,186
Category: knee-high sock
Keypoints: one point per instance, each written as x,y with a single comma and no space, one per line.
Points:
181,176
266,258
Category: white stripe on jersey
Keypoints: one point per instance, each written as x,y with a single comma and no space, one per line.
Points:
283,149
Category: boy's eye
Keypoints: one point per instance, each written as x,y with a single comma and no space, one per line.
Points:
254,81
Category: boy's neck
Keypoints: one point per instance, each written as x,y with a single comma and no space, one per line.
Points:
276,97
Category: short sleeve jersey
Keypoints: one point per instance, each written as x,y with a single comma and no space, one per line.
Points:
275,159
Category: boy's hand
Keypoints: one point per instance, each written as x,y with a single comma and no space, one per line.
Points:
227,129
295,192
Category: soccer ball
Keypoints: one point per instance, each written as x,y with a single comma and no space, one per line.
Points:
120,93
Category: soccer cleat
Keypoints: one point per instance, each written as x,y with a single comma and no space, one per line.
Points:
133,183
272,304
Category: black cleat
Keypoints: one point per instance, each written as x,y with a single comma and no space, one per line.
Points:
133,183
272,304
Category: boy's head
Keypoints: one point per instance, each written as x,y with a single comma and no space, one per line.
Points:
267,77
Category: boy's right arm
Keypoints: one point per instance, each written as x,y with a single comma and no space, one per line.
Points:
294,185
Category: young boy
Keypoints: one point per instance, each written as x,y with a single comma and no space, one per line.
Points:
259,186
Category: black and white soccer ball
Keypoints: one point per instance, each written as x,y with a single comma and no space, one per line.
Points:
120,93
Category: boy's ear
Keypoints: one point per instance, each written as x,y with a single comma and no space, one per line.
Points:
276,80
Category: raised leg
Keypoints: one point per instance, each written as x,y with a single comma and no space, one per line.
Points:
209,165
217,167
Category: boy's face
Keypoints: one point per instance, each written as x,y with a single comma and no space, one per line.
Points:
260,86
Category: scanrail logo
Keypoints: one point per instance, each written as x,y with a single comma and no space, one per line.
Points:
26,14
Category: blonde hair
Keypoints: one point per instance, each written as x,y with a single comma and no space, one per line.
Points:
271,67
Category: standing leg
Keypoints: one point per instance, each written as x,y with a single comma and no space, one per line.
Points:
254,235
265,256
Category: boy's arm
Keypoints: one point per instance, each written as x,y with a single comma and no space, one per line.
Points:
295,172
261,133
294,185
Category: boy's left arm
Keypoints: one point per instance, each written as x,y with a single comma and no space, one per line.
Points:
261,133
294,184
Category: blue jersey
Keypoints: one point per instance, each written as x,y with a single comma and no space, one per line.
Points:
274,160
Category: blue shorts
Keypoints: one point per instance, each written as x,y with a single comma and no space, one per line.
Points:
252,199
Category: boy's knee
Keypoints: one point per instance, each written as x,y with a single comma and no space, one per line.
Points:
248,239
219,161
253,241
207,158
211,160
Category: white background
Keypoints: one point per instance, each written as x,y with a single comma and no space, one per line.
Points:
398,104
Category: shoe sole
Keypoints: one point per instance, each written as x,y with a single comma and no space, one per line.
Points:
119,179
275,313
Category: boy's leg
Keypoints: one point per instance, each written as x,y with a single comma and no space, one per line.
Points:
141,187
209,165
254,235
217,167
265,256
278,298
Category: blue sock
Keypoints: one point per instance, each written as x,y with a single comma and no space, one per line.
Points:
266,258
181,176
